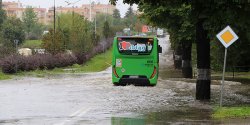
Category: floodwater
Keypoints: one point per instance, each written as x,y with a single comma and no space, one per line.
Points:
91,99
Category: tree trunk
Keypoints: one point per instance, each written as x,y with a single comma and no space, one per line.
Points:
177,55
203,62
186,59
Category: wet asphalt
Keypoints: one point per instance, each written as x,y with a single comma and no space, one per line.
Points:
91,99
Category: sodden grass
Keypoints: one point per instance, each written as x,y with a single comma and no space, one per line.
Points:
32,44
98,63
4,76
231,112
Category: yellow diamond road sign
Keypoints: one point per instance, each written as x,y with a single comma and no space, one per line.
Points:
227,36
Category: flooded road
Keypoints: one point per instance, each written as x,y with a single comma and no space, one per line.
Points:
91,99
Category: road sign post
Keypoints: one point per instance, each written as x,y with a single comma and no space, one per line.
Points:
223,77
226,37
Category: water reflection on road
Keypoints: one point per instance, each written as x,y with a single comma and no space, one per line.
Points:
91,99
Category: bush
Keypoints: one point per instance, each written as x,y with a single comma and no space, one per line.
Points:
14,63
64,60
9,64
81,58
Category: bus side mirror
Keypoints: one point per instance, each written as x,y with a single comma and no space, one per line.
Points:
159,49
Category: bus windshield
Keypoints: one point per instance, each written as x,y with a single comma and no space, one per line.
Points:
135,46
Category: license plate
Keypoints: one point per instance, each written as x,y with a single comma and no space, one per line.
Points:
133,77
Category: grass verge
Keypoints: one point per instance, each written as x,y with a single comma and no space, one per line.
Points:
231,112
242,77
4,76
98,63
32,44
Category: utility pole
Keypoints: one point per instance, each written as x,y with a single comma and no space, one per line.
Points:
73,16
95,25
106,15
54,27
90,16
0,4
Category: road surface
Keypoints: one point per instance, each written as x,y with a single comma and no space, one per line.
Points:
91,99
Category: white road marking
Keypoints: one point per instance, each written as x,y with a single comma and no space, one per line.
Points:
76,114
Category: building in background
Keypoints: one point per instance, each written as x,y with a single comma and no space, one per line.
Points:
100,8
45,16
16,9
89,11
60,10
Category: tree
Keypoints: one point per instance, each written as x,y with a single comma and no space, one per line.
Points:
2,14
56,46
106,29
138,24
73,36
116,14
177,21
2,18
101,19
129,12
130,18
12,29
117,17
29,20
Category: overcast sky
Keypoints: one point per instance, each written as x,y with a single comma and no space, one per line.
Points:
49,3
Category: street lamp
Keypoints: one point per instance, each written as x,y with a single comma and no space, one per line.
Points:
73,3
90,8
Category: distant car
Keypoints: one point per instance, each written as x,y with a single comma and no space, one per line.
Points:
142,34
45,32
160,32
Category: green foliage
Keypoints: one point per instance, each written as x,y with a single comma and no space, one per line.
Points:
2,16
180,17
29,20
12,29
130,18
237,17
117,18
106,29
4,76
53,45
231,112
116,14
175,18
73,32
96,64
129,13
101,19
32,44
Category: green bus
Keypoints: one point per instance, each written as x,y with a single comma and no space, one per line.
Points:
135,60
